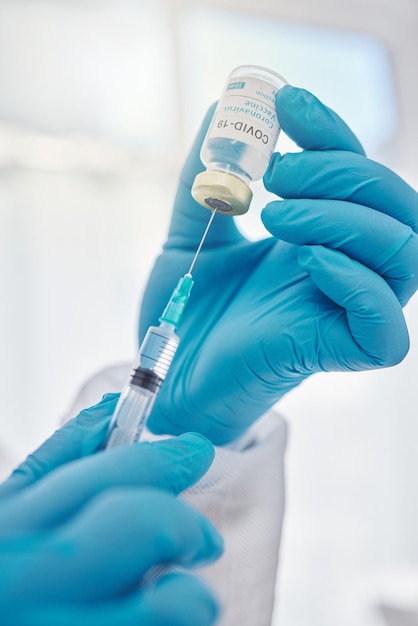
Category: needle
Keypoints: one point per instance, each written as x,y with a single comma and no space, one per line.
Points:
201,242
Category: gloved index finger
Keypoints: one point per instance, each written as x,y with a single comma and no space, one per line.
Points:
311,124
172,465
79,437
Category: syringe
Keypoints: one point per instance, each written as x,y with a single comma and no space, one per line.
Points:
151,365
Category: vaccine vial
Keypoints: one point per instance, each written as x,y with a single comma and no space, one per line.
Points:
240,140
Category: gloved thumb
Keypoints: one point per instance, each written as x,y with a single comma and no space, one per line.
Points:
311,124
80,437
189,217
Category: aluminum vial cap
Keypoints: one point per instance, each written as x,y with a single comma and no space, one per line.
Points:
222,191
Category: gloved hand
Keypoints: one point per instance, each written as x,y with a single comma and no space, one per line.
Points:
77,539
324,293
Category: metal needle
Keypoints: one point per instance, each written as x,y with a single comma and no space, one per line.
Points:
201,242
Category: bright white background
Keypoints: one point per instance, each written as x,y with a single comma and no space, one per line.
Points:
99,101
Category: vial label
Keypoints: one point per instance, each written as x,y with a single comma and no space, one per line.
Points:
247,113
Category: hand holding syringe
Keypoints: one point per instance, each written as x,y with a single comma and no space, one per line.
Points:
151,365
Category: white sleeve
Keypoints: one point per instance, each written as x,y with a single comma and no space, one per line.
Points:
243,494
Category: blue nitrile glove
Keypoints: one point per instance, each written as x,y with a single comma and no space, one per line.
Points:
79,437
77,539
324,293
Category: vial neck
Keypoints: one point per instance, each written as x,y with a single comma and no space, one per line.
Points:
230,169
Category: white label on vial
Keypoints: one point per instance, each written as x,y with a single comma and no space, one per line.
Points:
247,113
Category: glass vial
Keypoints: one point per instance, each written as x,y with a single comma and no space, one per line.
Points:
240,140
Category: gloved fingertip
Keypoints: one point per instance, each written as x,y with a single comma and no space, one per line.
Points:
197,444
214,544
298,110
189,457
196,439
100,411
201,601
269,173
289,96
271,214
108,397
311,124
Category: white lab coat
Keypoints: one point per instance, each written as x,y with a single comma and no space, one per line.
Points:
243,494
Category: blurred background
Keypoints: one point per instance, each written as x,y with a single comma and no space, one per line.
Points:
99,102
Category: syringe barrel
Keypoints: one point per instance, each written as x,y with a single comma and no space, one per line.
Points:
158,349
133,408
150,369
